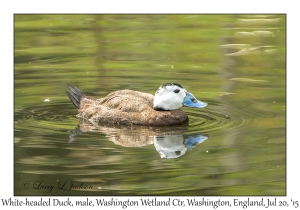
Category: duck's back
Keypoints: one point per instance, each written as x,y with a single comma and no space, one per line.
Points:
128,107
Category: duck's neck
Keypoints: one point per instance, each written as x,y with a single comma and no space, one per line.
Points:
157,108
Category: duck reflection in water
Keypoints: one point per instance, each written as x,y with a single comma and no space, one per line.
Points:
170,142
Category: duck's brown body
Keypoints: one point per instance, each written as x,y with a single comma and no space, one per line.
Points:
125,107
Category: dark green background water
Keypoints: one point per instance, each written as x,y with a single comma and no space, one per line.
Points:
236,63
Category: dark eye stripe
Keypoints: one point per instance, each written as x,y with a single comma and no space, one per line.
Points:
176,91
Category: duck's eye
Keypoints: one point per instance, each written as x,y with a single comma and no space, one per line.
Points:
176,91
193,100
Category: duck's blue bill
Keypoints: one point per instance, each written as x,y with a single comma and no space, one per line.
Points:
191,101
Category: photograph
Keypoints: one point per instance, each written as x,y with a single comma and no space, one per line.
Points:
149,105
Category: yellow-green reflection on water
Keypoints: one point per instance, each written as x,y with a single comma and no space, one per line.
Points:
236,63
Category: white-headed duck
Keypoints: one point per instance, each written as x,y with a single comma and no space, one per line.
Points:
137,108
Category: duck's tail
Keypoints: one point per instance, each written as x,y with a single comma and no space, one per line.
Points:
75,95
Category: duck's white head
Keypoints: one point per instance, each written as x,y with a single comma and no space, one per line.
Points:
171,96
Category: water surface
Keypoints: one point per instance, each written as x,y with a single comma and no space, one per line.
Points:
234,146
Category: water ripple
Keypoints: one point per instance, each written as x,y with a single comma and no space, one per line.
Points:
219,116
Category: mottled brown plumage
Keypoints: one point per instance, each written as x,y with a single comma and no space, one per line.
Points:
125,107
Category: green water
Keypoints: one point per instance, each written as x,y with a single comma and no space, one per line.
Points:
235,63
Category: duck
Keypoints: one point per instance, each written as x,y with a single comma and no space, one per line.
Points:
130,107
